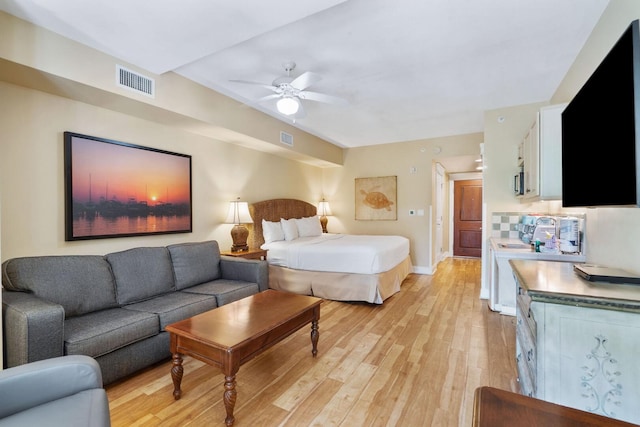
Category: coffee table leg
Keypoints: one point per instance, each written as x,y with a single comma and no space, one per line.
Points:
229,398
314,337
176,375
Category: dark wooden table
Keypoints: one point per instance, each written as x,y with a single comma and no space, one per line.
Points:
230,335
500,408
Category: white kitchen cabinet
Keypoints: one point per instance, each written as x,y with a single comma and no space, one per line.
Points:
576,341
542,156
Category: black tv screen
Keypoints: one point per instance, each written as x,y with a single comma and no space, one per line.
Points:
600,154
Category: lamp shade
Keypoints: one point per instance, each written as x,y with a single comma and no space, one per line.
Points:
238,213
323,208
287,105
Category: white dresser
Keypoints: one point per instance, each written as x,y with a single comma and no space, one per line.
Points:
577,342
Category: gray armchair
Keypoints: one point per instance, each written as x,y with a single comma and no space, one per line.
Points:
63,391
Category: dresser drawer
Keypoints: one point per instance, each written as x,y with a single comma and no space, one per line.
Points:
525,379
526,354
525,317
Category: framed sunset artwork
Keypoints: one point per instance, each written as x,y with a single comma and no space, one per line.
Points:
117,189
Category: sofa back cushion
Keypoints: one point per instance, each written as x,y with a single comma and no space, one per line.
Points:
79,283
195,263
141,273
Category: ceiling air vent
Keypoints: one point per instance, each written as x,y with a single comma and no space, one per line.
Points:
135,81
286,138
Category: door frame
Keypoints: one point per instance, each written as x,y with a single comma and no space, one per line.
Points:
439,211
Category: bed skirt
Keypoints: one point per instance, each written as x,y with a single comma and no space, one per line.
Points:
372,288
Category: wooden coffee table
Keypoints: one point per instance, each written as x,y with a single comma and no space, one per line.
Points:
232,334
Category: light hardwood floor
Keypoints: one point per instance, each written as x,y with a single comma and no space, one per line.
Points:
416,360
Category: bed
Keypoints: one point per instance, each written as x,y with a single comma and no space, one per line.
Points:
339,267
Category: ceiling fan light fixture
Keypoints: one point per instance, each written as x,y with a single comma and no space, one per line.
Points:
287,105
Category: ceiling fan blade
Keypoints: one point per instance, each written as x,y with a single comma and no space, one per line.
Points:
305,80
321,97
268,97
271,87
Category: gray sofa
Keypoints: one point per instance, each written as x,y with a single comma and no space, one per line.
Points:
60,392
115,307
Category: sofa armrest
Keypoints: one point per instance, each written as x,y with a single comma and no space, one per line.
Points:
33,328
34,384
248,270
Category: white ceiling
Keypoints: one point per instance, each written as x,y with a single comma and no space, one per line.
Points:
409,69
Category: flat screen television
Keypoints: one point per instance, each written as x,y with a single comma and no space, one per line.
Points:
600,131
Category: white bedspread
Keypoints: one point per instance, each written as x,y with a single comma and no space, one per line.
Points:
345,253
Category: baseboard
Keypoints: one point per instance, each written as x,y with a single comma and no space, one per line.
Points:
422,270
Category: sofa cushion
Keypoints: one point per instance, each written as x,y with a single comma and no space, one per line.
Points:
226,291
98,333
175,306
141,273
86,408
195,263
65,280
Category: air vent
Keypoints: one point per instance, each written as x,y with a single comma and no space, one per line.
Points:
135,81
286,138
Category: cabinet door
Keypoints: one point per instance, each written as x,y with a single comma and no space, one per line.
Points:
590,360
550,126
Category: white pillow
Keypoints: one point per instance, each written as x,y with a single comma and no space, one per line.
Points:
272,231
290,229
309,226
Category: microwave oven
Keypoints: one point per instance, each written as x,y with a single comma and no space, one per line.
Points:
518,184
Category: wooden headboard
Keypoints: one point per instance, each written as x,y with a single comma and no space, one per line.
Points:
273,210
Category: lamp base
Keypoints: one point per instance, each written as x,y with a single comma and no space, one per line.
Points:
239,234
323,223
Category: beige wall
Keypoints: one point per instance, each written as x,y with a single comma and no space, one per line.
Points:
31,173
52,85
34,57
415,190
190,119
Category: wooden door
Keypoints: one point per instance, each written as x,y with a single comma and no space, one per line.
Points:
467,223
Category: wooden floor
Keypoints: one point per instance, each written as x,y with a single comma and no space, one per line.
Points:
416,360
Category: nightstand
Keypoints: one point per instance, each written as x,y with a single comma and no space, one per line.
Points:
252,253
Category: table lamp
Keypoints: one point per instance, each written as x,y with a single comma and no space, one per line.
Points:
239,214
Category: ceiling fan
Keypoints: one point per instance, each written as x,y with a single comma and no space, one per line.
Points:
291,91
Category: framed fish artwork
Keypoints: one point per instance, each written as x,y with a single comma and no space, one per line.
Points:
376,198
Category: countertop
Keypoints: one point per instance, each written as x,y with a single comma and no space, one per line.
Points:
556,282
515,249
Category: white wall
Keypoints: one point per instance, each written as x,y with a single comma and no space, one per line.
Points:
613,234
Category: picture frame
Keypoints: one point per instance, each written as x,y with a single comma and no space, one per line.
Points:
376,199
117,189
